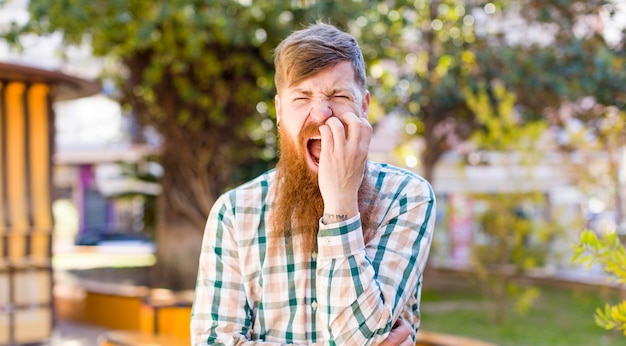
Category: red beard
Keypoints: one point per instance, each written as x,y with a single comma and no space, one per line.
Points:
298,203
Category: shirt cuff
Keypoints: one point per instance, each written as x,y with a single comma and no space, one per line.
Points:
340,239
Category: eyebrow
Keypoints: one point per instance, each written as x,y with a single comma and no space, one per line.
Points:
302,92
332,91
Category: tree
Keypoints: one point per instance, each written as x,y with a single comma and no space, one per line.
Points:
424,53
201,74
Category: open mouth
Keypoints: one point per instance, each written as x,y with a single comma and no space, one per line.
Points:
314,144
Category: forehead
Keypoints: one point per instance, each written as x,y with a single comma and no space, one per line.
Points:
338,77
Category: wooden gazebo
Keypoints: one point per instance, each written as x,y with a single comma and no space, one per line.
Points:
26,222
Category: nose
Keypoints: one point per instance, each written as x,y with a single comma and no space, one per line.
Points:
321,110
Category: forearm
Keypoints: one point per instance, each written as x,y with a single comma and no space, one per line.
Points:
362,290
201,340
219,313
351,302
227,339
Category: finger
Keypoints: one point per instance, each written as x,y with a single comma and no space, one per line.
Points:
406,326
337,136
327,139
396,338
353,124
365,135
360,129
407,342
403,327
337,126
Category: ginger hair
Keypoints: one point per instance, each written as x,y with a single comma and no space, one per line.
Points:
309,51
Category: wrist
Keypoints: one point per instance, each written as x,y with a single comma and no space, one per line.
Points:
329,218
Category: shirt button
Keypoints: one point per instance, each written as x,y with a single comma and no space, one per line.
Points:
314,305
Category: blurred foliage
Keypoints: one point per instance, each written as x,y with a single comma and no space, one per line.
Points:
598,175
499,127
201,72
609,252
513,237
511,240
424,54
205,67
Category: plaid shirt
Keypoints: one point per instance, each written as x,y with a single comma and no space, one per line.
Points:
347,293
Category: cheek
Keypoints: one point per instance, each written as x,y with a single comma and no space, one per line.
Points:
340,108
290,127
293,120
350,109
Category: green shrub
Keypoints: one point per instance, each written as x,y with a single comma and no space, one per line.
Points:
611,255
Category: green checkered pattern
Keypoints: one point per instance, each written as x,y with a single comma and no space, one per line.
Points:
251,290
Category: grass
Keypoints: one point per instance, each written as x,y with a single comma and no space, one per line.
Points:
560,316
452,304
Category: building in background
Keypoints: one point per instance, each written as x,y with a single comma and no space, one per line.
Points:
100,171
94,146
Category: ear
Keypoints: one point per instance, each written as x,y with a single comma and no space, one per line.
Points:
279,109
365,106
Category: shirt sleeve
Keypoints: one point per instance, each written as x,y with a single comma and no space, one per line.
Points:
362,290
221,314
218,312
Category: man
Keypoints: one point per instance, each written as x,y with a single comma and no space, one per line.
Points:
328,248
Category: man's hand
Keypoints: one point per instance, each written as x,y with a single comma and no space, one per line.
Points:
342,162
400,335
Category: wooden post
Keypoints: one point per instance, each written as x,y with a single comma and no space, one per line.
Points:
26,221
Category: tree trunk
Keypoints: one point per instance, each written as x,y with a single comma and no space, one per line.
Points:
178,249
203,147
